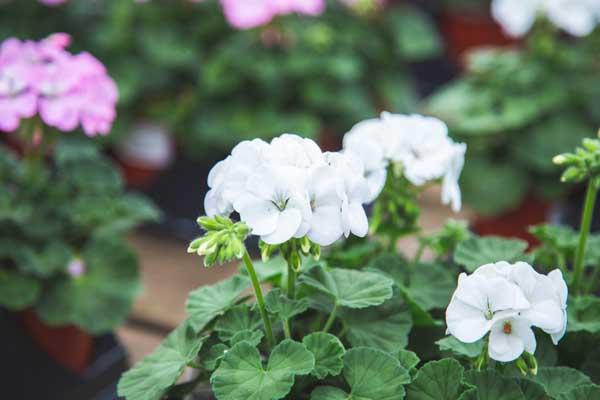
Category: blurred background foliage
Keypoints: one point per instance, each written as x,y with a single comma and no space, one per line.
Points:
179,63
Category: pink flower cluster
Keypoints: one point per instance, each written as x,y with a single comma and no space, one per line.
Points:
66,90
245,14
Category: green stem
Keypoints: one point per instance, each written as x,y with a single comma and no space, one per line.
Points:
286,329
330,319
291,282
584,231
259,298
419,253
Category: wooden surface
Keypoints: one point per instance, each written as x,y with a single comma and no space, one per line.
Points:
169,273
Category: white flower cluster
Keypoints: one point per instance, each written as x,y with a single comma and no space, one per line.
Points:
289,188
507,300
577,17
420,145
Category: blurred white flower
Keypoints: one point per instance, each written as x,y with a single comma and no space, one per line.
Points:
577,17
512,298
288,188
509,337
419,144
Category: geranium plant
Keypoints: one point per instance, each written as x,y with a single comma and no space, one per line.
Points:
328,324
63,210
518,106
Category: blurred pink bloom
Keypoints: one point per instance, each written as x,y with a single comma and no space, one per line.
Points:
246,14
52,2
66,90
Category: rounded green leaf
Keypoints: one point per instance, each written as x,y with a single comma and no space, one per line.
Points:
101,298
238,318
246,335
285,308
469,350
559,380
585,392
385,327
584,314
208,302
242,376
328,393
492,386
374,375
437,380
328,352
350,288
154,375
478,251
18,291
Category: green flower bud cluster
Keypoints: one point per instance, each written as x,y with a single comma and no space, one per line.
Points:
448,238
581,165
292,251
222,242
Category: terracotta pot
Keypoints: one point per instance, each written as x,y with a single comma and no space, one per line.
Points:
68,345
516,223
464,32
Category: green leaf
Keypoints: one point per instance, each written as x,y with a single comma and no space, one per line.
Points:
478,251
492,386
585,392
349,288
532,390
414,33
237,319
252,337
151,378
408,359
285,308
101,297
385,327
371,375
583,314
469,350
211,358
558,380
497,177
18,291
242,376
208,302
328,352
437,380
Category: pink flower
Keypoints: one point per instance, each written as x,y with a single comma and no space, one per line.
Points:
52,2
246,14
66,90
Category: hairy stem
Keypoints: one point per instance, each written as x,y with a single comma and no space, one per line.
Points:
259,298
331,319
584,231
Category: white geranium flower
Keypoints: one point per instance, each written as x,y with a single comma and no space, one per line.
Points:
363,141
228,177
509,337
274,205
353,191
293,150
326,205
562,292
477,304
577,17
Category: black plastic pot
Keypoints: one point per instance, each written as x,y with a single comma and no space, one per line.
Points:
28,373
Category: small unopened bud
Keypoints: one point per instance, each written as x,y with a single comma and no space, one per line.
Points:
559,159
522,366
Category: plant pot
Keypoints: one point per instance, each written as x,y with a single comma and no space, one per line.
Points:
516,223
466,31
69,346
28,372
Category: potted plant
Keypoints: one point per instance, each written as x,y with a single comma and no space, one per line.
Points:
66,271
516,108
330,327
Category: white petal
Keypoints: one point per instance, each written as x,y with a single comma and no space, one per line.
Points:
546,315
262,216
505,348
522,328
326,225
560,286
515,16
559,334
356,219
465,322
288,222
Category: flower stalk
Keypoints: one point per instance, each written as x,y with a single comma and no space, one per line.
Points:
584,231
331,319
259,298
